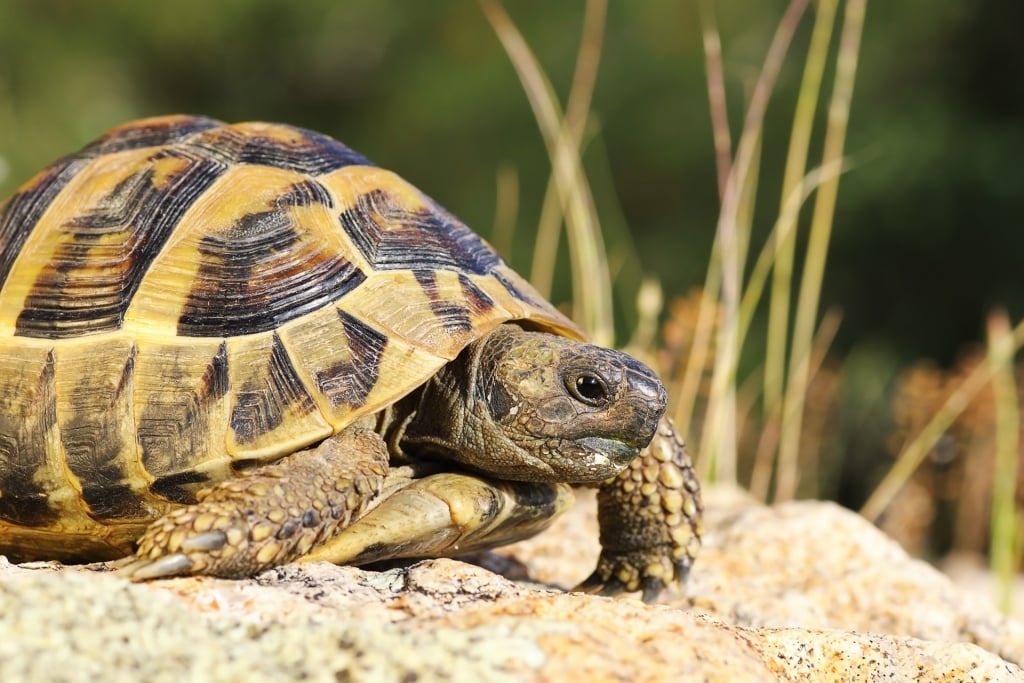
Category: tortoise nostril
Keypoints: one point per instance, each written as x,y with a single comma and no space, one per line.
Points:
648,386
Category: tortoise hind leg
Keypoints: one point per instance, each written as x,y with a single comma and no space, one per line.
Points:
269,515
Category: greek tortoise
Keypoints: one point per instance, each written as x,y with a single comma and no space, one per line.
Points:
226,347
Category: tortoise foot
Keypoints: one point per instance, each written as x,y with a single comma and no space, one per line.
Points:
267,516
649,572
650,519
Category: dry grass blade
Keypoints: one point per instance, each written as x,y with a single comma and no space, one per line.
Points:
581,91
796,164
506,208
591,279
761,474
649,306
746,150
549,235
722,418
719,436
716,94
817,250
687,387
783,230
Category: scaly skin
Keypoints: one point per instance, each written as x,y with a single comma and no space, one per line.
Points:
268,516
447,514
650,520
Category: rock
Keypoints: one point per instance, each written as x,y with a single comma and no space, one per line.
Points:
814,564
796,592
971,573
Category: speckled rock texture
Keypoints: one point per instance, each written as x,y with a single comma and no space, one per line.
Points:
796,592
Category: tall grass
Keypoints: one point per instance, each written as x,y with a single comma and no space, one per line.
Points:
730,296
717,452
740,272
776,397
562,134
784,386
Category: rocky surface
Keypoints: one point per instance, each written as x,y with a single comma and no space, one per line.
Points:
797,592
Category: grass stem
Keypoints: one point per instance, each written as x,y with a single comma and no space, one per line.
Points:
719,439
592,291
1003,533
817,251
796,164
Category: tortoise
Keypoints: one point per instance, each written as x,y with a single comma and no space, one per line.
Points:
226,347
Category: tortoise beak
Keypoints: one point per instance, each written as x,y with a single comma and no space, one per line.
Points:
648,396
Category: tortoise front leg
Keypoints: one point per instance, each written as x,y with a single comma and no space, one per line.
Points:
447,514
650,521
269,515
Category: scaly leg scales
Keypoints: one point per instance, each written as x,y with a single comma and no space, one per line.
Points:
269,515
650,521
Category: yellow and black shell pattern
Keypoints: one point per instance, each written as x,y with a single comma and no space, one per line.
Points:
182,298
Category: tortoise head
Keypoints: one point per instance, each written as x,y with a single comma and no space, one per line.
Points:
533,406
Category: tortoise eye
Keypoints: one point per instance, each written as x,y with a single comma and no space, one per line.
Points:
589,388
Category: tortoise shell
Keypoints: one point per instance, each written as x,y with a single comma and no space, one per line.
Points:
184,297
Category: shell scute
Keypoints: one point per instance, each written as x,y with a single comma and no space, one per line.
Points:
181,411
271,410
96,423
350,381
254,252
396,228
156,131
278,146
28,433
23,210
79,269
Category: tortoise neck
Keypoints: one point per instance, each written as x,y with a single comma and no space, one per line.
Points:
428,423
393,421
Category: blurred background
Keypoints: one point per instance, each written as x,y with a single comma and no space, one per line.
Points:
927,232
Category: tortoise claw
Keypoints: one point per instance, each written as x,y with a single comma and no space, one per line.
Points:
647,571
142,569
204,543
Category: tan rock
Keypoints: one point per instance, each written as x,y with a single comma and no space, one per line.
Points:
798,592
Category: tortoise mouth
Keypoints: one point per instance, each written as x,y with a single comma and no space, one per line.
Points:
614,452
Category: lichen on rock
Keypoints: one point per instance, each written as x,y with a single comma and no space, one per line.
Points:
797,592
